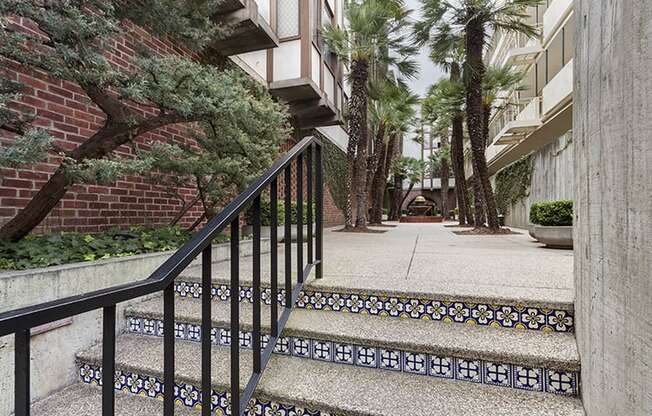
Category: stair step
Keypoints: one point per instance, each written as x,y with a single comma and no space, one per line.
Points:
318,387
552,350
84,400
519,313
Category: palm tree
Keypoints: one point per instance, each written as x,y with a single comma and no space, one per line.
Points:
447,51
391,111
442,108
472,20
374,36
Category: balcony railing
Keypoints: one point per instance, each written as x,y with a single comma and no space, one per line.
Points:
516,49
19,322
514,120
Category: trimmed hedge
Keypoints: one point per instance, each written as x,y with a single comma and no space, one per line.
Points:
62,248
552,213
266,212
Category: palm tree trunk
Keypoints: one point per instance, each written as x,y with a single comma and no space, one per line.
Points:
444,174
474,45
374,158
457,158
358,132
486,110
378,183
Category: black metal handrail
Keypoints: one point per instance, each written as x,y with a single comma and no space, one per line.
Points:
20,321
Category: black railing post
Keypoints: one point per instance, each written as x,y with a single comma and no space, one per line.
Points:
287,238
273,255
300,218
319,225
206,326
310,201
168,350
108,361
255,293
22,373
235,316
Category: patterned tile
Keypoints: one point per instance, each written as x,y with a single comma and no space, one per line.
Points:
526,378
442,367
498,374
468,370
366,356
477,371
390,359
415,363
190,396
531,318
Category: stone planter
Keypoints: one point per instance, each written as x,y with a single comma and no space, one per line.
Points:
555,236
265,232
530,230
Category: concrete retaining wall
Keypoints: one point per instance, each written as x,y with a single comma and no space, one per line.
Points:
552,178
53,351
613,183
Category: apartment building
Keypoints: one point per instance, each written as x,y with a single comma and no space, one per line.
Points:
535,121
278,42
299,69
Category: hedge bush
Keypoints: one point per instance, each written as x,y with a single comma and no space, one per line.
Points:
552,213
266,212
62,248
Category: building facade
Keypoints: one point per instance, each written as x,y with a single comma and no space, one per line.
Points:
535,121
275,41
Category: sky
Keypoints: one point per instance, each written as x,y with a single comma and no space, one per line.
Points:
429,73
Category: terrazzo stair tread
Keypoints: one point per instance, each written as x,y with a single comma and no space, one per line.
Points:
84,400
487,294
533,348
341,390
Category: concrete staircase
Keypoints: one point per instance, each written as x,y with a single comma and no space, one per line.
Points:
349,351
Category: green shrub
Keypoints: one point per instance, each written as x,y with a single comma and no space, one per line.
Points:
62,248
266,212
552,213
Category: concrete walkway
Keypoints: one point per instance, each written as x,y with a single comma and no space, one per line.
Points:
432,259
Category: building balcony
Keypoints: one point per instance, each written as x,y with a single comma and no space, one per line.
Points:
556,14
516,121
558,92
249,28
514,49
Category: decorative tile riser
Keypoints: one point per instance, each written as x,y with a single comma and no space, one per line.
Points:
448,367
189,395
505,316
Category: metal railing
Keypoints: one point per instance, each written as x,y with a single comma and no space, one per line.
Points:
19,322
509,111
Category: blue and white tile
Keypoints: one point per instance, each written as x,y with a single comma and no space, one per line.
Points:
300,347
390,359
528,378
468,370
561,382
415,363
322,350
442,367
343,353
497,374
366,356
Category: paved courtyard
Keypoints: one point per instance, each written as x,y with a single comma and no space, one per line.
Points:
431,258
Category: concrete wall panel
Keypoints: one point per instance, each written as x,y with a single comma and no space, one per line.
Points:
613,183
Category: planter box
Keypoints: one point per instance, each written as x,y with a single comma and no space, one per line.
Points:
54,345
555,236
531,231
265,232
421,219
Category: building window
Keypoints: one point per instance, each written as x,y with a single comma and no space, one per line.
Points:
288,18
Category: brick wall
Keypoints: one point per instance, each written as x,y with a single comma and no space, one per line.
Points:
67,113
